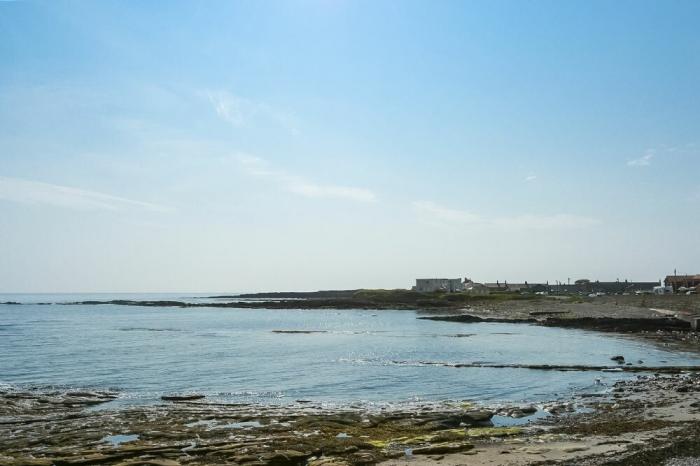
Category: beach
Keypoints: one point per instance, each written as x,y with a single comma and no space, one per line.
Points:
647,417
642,422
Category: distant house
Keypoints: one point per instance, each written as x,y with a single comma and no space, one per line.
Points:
619,286
682,281
498,286
428,285
476,288
517,287
622,286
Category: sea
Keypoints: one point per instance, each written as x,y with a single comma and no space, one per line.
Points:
372,358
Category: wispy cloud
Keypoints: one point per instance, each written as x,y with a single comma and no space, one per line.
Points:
530,178
546,222
38,193
340,192
241,112
446,214
451,216
642,161
257,166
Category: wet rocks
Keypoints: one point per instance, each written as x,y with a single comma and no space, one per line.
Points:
559,408
619,324
296,435
517,411
285,458
689,385
448,422
362,457
470,318
191,397
327,461
477,418
58,430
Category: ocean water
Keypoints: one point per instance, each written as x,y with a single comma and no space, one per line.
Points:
352,357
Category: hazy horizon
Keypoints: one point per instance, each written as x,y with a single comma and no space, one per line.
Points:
309,145
273,290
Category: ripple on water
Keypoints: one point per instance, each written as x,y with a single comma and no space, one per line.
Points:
149,329
232,355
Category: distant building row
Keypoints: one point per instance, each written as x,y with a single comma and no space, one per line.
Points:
673,283
428,285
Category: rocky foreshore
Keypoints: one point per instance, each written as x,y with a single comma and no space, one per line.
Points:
645,421
601,324
612,314
639,422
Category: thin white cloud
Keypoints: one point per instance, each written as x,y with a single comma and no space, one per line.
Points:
530,178
545,222
446,214
340,192
38,193
260,167
643,161
449,216
241,112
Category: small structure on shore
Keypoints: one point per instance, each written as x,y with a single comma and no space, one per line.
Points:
518,287
585,285
428,285
663,290
683,281
475,288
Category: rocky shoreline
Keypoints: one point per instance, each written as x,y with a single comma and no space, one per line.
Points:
643,421
647,420
621,314
600,324
631,315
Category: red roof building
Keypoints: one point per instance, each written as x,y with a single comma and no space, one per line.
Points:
680,281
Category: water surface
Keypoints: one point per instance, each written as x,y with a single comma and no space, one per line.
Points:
351,356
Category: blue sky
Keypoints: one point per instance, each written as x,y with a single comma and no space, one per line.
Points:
224,146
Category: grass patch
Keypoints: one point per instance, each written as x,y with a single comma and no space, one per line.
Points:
438,297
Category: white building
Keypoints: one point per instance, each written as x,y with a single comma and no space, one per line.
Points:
662,290
427,285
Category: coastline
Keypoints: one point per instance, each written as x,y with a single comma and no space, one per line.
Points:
663,319
641,421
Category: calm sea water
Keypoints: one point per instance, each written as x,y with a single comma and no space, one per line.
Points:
371,357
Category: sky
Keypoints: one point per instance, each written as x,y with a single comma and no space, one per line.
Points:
170,146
